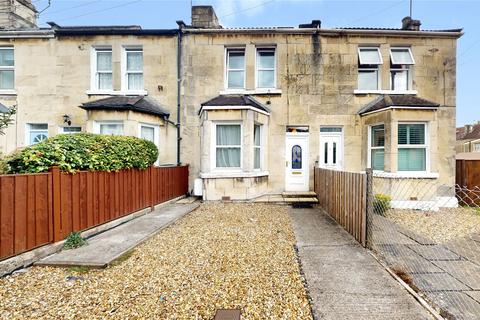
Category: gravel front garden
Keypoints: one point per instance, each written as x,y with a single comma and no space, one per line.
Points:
238,256
440,226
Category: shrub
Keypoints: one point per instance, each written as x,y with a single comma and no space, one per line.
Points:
74,240
84,151
381,204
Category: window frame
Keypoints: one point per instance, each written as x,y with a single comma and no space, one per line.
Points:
369,67
370,147
28,131
125,72
61,129
227,69
260,147
98,124
257,67
156,136
425,146
8,68
94,79
213,151
407,68
392,60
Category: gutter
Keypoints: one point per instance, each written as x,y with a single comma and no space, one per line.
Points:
9,34
333,32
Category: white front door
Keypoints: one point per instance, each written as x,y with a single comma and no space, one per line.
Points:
296,162
331,148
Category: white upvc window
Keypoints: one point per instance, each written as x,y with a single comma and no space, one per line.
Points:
376,145
265,72
36,132
102,70
132,66
114,128
369,60
70,129
235,68
400,69
476,147
257,146
150,132
228,146
413,149
7,68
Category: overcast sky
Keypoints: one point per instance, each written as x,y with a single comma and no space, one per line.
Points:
440,14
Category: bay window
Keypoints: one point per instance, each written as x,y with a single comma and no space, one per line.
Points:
369,60
228,146
377,147
257,146
102,64
7,73
265,68
412,147
400,69
110,128
235,72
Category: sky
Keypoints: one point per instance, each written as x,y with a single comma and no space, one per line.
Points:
162,14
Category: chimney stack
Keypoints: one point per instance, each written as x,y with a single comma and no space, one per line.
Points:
468,128
204,17
17,14
409,24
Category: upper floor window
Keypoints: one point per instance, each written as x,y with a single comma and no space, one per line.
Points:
400,69
103,75
377,147
412,147
369,60
133,69
235,72
7,73
265,68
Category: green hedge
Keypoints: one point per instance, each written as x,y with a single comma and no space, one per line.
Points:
84,151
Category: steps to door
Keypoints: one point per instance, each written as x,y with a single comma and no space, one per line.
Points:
308,197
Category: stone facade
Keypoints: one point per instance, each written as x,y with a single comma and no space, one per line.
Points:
316,72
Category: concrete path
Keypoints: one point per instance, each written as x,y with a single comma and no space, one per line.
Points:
105,247
343,279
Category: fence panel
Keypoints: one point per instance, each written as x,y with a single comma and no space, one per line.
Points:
37,209
468,182
343,196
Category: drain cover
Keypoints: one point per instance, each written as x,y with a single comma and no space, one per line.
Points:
227,314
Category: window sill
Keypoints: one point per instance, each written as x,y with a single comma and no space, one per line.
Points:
232,174
252,92
116,93
406,175
359,92
8,92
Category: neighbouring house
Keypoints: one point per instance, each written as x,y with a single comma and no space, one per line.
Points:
251,110
468,138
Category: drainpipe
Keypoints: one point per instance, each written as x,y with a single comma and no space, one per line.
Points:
179,87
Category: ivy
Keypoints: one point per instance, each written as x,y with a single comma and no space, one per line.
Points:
84,151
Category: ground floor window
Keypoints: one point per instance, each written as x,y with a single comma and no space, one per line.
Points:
257,145
412,147
110,128
476,147
228,146
36,132
377,147
68,130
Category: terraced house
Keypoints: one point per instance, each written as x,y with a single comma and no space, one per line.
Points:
251,110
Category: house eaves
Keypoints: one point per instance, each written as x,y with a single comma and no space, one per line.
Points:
399,107
128,30
29,34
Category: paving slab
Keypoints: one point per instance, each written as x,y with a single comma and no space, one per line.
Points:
438,282
105,247
458,304
467,248
435,252
344,281
465,271
475,295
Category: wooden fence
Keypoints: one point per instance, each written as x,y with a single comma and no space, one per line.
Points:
343,195
467,178
37,209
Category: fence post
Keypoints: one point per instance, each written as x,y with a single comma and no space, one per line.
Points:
368,209
56,189
152,188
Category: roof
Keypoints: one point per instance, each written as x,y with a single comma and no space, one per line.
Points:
472,133
3,108
468,156
399,101
108,30
234,100
140,104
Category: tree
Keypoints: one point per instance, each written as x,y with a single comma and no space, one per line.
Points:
6,118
